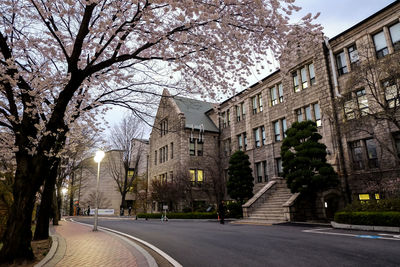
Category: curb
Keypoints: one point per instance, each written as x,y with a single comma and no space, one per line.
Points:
365,227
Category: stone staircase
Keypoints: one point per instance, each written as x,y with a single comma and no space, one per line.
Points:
266,206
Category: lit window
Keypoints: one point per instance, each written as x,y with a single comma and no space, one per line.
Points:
395,36
192,176
196,177
341,63
200,177
380,44
363,196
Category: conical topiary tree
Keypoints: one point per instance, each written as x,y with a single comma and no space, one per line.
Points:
240,184
304,161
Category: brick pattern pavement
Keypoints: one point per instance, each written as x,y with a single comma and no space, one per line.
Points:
88,248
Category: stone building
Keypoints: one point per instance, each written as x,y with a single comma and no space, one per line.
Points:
322,85
111,168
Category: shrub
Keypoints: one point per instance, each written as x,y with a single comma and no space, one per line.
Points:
382,218
180,215
374,205
234,210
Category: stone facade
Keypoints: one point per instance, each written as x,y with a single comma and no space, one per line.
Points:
315,86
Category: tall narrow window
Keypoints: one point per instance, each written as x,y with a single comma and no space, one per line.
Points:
362,102
199,148
224,120
317,114
353,54
263,135
228,117
242,107
312,73
303,73
380,45
192,151
308,113
240,142
356,153
192,176
238,113
341,63
274,98
371,153
161,155
394,31
296,87
279,166
277,131
200,176
245,140
259,172
166,153
349,106
284,127
299,114
257,137
155,157
172,150
265,171
280,92
260,102
254,101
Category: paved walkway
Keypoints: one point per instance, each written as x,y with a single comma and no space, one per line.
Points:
75,244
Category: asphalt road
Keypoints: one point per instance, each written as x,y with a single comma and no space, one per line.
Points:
205,243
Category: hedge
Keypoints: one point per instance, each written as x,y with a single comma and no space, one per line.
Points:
180,215
384,218
392,204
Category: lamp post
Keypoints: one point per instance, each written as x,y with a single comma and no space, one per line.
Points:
97,158
63,193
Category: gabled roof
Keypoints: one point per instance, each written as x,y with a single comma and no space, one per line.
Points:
195,113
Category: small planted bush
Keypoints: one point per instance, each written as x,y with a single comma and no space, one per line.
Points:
376,218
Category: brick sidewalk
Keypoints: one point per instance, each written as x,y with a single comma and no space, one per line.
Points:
87,248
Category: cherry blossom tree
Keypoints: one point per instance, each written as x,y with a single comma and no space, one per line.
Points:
62,60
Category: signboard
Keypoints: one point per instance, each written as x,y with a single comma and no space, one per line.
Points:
165,207
103,211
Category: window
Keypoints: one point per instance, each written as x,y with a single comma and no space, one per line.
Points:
228,117
172,150
243,110
364,151
257,103
371,153
380,45
161,155
259,172
265,171
238,113
245,141
274,97
299,115
295,82
303,73
279,166
166,153
257,137
353,54
196,177
341,63
163,127
280,92
356,153
312,73
362,102
349,107
171,176
263,135
224,120
277,131
317,114
284,127
394,31
308,113
192,151
254,101
199,148
396,138
155,157
392,94
240,143
260,103
227,147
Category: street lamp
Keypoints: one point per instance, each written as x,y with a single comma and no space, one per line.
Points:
97,158
63,193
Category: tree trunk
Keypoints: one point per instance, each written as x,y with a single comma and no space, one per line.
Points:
45,211
71,195
18,236
56,207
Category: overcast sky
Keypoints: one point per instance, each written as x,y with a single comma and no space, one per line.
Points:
336,16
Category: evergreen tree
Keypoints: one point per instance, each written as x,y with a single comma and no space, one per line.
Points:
240,183
304,160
